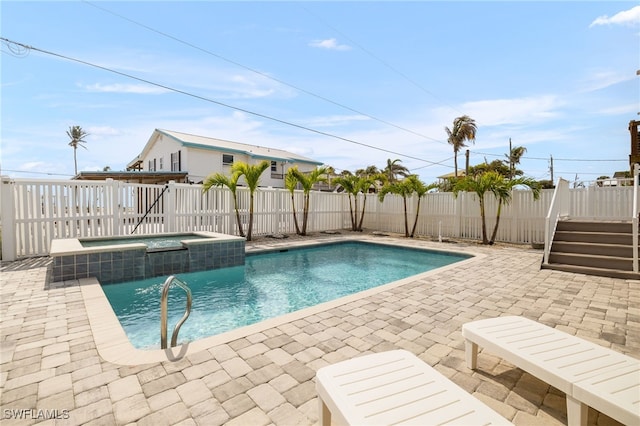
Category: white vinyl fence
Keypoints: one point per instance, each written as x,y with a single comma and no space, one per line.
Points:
34,212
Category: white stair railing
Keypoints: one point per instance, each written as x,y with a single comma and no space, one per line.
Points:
559,208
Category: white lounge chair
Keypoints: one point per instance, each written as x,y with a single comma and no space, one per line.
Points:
395,387
591,375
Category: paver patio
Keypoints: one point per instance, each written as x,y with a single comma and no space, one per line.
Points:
50,360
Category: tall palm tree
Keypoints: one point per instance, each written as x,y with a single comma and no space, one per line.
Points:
77,135
219,180
463,130
395,169
514,158
251,175
307,180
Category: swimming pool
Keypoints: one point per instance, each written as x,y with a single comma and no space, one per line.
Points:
268,285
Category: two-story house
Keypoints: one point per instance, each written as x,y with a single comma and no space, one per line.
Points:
201,156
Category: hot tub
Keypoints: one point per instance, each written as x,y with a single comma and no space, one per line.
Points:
118,259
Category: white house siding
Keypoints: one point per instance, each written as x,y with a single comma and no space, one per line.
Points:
200,160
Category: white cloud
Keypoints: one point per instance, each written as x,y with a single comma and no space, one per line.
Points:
330,44
143,89
603,79
626,17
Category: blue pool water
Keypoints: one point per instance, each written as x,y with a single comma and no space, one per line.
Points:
268,285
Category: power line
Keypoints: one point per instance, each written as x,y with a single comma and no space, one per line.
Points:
257,114
300,89
547,159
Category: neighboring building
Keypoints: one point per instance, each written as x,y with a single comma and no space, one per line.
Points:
200,156
634,157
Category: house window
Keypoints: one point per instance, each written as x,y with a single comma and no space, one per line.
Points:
227,159
152,165
161,166
274,166
175,161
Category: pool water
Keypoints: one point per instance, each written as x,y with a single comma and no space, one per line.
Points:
268,285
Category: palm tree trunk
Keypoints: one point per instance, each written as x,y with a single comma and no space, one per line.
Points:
406,219
495,228
250,217
351,214
295,216
415,223
354,213
235,205
484,222
364,204
455,163
305,214
75,160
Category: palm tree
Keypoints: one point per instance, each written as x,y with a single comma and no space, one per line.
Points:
421,190
514,158
464,129
497,184
219,180
504,197
77,135
291,183
480,184
349,183
395,169
403,188
251,175
307,180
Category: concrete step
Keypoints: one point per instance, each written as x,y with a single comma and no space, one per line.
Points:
591,260
594,226
601,272
616,250
594,237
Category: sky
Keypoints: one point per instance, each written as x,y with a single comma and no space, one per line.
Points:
349,84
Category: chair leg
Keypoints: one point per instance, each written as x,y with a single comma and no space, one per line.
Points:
471,354
323,413
577,412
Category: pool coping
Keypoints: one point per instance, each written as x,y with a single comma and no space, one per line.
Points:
114,346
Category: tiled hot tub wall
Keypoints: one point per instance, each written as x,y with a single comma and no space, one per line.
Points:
113,264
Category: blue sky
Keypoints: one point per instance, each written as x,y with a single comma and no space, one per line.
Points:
372,80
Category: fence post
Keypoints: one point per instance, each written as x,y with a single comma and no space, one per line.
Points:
114,196
170,207
8,229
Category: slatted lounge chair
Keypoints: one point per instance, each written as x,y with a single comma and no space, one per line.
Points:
395,387
591,375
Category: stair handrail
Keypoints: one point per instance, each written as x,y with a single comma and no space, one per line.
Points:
558,208
634,217
164,308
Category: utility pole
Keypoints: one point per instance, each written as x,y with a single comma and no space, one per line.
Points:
551,168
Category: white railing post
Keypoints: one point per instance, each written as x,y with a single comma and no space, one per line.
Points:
7,209
634,217
170,207
559,208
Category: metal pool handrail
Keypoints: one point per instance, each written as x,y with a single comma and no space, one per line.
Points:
163,311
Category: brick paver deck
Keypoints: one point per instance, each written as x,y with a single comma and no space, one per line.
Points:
50,364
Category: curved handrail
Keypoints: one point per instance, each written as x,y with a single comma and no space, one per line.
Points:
559,208
164,308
